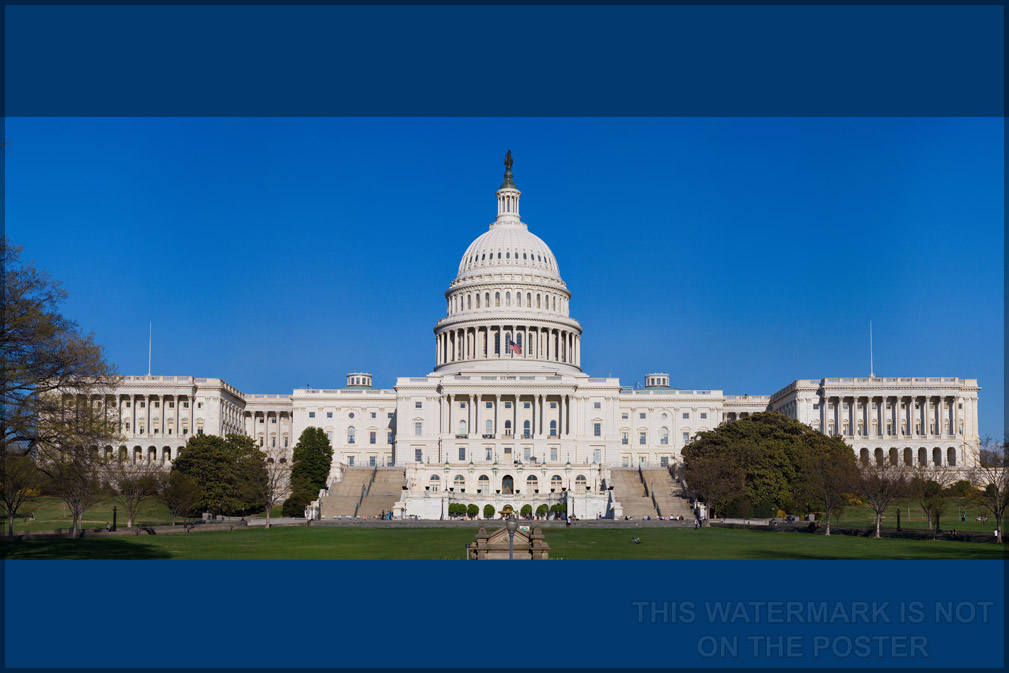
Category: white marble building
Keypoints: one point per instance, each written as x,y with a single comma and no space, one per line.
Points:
508,410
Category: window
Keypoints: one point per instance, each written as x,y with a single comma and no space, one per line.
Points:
553,456
580,481
273,419
389,414
140,404
389,437
489,427
418,405
641,415
199,405
418,428
686,437
686,414
462,453
597,456
553,405
489,454
508,405
462,427
372,437
624,416
553,428
128,404
597,405
371,461
462,405
597,429
351,435
527,453
641,437
490,405
624,438
199,431
311,414
350,461
526,429
374,415
350,415
525,405
171,405
418,455
329,414
157,404
704,415
483,484
664,436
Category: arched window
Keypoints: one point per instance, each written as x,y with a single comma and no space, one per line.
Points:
459,483
878,454
508,298
351,435
893,456
497,298
435,482
483,484
553,428
580,482
469,301
529,299
508,427
863,455
497,343
937,456
663,435
538,298
922,456
518,298
478,300
532,483
555,482
908,456
526,429
951,457
462,427
489,427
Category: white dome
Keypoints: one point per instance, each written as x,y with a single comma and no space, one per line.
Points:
509,247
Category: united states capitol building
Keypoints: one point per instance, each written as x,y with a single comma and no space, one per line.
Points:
508,417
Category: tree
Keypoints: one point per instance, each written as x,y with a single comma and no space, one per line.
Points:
526,511
931,488
312,459
488,511
541,511
134,483
755,463
991,475
472,511
827,472
181,493
230,472
74,476
275,482
44,358
879,484
20,481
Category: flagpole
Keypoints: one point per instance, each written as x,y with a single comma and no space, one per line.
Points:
871,373
150,334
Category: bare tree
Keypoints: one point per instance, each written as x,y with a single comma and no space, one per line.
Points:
879,483
929,485
274,488
181,493
715,480
134,483
991,476
20,481
828,475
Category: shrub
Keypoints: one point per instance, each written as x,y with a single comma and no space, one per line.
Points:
526,511
472,511
488,511
296,504
541,511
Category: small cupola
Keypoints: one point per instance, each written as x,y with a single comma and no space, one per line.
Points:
358,380
657,380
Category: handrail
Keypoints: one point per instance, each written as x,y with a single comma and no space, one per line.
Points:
365,490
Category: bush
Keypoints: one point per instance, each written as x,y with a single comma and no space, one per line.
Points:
488,511
541,511
472,511
457,509
526,511
296,504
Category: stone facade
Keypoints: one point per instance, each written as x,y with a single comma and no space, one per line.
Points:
507,416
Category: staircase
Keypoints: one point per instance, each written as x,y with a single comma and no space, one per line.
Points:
669,495
345,496
629,491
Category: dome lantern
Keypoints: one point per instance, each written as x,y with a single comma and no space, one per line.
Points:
508,195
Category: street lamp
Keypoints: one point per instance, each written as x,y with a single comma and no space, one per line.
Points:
511,525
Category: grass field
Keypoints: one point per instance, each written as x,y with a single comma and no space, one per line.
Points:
51,513
448,543
912,517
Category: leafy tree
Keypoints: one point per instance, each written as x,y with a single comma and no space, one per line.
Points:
472,511
181,492
756,462
20,481
526,511
541,511
488,511
312,459
229,471
296,503
559,509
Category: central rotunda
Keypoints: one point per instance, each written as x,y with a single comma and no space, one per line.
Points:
508,301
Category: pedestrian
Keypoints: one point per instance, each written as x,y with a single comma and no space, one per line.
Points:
108,528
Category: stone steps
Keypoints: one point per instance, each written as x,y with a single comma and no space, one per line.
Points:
345,494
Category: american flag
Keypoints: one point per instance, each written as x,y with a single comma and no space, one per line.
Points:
515,348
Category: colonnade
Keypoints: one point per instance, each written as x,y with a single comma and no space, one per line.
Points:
527,342
466,415
891,416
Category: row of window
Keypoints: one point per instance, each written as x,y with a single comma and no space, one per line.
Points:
157,404
350,415
473,300
643,415
352,436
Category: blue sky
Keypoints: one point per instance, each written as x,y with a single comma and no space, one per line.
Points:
736,254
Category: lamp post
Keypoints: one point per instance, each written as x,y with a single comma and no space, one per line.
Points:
511,525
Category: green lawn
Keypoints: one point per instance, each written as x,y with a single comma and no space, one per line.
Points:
447,543
912,517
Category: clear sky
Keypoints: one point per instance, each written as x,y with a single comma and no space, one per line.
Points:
736,254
